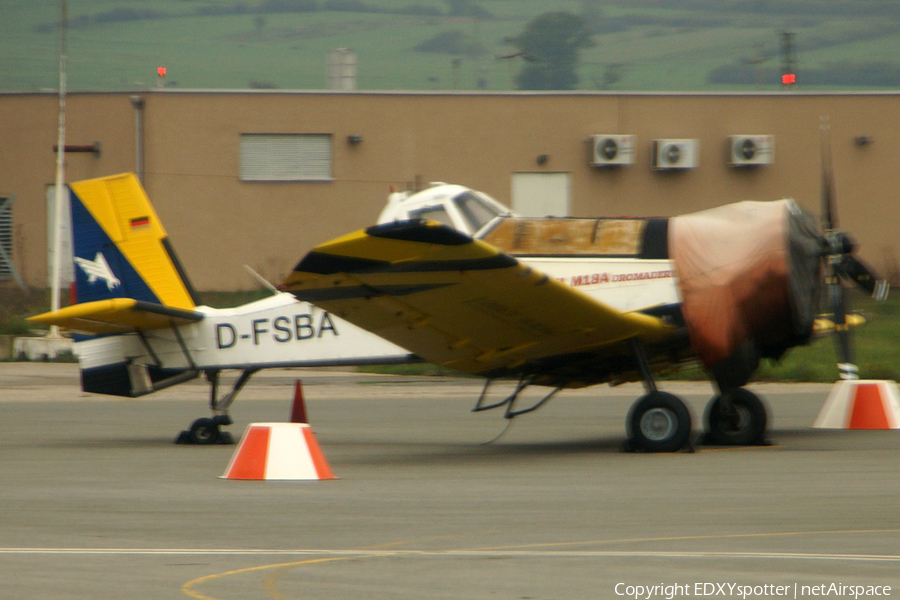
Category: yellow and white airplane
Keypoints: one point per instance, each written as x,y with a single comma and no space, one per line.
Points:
571,302
452,277
147,330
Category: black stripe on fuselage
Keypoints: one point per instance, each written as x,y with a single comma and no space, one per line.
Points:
354,292
322,263
330,264
655,244
498,261
416,230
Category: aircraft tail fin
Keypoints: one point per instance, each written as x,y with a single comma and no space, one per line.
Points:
120,247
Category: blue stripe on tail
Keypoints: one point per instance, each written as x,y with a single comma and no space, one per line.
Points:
101,270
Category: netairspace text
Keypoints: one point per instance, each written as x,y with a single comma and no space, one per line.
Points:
735,590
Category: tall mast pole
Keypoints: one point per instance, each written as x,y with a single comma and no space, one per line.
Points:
60,167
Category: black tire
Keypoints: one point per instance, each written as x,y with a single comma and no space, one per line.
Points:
744,424
659,422
204,432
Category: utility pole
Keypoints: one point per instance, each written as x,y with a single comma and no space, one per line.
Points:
60,166
788,75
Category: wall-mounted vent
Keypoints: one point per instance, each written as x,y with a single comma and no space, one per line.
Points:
750,150
675,154
612,150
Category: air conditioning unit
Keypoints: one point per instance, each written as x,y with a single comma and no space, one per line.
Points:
750,150
612,150
675,154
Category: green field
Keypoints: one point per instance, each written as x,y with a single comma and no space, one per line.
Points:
654,45
877,351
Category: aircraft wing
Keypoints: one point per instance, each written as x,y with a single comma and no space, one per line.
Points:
117,315
456,301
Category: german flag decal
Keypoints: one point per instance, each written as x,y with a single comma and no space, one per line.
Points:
140,222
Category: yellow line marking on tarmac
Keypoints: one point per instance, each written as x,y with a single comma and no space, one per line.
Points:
546,550
270,583
188,588
522,551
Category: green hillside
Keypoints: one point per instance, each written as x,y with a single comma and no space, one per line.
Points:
658,45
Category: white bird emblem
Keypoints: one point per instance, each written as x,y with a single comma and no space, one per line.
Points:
98,269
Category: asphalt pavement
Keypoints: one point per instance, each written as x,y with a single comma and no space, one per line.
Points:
433,501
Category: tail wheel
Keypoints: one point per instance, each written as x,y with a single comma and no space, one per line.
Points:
204,431
659,422
736,418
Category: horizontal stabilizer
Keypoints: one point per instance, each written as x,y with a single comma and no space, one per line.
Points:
117,315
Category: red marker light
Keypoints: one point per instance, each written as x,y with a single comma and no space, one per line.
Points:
788,78
161,71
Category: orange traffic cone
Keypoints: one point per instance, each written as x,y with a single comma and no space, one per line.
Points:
298,408
278,451
861,404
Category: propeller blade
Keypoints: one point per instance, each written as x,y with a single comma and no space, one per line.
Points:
855,269
829,210
839,262
842,342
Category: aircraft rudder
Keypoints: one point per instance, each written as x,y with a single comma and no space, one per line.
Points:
120,247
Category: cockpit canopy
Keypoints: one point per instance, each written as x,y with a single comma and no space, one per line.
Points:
466,210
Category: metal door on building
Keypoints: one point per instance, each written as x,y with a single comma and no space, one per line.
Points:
540,194
66,264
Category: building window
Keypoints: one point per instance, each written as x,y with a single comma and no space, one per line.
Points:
286,157
7,270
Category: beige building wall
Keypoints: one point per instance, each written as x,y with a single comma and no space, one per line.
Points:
217,223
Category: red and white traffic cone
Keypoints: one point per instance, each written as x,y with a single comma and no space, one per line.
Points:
278,451
861,404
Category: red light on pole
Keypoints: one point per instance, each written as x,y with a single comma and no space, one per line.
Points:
788,78
161,71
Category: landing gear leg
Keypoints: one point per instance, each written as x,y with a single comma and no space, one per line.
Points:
205,431
736,418
658,421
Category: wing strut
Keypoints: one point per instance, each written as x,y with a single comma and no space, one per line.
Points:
510,401
143,337
139,374
640,356
184,348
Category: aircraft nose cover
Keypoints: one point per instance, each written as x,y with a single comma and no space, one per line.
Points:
749,277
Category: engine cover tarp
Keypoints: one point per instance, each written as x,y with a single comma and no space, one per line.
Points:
749,276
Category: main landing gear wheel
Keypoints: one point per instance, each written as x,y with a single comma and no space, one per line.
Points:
736,418
659,422
205,432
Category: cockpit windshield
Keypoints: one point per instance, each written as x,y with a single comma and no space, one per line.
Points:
474,210
435,213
